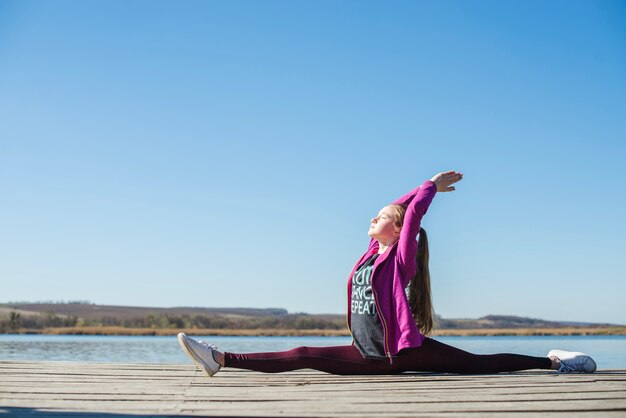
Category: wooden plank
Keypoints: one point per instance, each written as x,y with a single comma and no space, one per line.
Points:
54,388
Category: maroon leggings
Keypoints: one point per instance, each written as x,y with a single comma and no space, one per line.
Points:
431,356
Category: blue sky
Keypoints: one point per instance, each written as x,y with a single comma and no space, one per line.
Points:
233,153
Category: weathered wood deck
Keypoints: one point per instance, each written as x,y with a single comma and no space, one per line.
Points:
68,389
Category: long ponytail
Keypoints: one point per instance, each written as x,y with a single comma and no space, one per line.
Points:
420,299
418,290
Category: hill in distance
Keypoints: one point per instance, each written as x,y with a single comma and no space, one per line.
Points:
90,313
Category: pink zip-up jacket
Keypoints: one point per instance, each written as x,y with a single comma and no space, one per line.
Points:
392,272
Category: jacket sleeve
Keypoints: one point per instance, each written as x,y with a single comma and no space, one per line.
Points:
407,198
407,244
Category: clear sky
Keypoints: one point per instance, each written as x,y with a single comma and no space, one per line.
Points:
232,154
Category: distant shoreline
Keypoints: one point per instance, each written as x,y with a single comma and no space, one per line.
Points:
566,331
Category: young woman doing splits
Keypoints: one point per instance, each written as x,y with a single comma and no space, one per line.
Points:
390,312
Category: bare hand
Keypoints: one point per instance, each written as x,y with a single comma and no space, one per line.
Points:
443,181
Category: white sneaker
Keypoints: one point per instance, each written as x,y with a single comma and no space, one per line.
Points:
201,353
572,361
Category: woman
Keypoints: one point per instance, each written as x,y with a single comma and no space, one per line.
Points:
390,312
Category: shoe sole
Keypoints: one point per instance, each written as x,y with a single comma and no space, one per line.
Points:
201,364
592,361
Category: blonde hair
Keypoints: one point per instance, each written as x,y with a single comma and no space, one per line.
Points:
418,290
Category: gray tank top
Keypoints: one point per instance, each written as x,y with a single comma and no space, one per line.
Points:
367,330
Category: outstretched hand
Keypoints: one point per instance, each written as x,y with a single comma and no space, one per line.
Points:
443,181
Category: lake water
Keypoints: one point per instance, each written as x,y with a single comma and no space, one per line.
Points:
608,351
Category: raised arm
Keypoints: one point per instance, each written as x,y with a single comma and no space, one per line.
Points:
415,211
407,198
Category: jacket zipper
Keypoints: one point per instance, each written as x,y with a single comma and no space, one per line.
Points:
385,345
348,315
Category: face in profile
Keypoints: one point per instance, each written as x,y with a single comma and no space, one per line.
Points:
384,226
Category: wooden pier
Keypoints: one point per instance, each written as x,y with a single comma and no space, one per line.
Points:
71,389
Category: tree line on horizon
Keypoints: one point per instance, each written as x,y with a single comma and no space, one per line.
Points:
15,321
16,317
